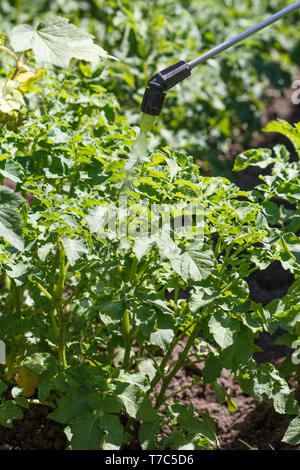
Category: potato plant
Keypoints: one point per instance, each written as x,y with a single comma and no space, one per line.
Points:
279,194
98,314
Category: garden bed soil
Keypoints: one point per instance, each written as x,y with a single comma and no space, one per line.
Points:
255,424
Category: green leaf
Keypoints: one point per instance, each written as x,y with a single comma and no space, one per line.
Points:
22,401
212,369
194,264
292,434
129,397
74,248
8,412
146,367
286,129
267,382
56,41
88,51
86,432
44,250
12,170
18,272
223,329
202,297
271,211
39,362
232,407
186,418
11,99
147,433
71,406
142,246
10,221
97,218
3,387
162,338
114,430
255,157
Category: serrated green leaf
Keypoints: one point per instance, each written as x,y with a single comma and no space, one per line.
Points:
56,41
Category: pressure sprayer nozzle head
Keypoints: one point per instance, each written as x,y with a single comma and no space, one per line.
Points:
162,81
153,101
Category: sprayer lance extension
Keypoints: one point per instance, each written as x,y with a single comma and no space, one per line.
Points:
162,81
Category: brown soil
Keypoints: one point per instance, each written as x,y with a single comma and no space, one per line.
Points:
255,425
34,432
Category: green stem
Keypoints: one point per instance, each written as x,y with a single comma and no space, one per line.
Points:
133,269
41,288
18,298
73,179
180,390
160,373
6,280
53,319
59,306
127,338
219,246
181,359
176,295
156,365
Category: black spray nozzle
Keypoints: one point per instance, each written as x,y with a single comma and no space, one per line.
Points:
153,101
162,81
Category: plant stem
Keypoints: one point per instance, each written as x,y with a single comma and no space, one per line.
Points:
133,269
59,306
180,390
53,319
176,294
50,297
159,374
6,280
41,288
127,338
181,359
18,298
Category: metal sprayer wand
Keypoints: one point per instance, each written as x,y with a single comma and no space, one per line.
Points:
162,81
245,34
